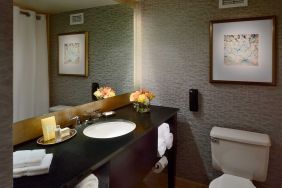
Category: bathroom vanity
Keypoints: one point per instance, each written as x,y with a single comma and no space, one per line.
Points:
120,162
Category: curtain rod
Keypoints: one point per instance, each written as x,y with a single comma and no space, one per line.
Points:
28,14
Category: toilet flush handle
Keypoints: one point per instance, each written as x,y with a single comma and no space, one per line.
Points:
214,140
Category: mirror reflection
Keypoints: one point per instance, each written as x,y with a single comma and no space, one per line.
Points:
38,86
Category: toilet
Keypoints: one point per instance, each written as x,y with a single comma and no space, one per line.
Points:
242,156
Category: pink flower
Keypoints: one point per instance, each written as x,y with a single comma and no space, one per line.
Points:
141,96
104,92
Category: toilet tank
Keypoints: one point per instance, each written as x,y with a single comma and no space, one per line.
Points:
240,153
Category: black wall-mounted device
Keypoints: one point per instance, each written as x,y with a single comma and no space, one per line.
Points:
193,100
94,86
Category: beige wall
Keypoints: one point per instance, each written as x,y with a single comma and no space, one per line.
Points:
6,96
176,59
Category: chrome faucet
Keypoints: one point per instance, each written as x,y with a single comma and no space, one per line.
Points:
86,122
95,114
77,121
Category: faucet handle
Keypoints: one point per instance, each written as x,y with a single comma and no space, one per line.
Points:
77,120
86,122
97,113
94,114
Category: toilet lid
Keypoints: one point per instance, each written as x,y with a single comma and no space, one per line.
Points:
230,181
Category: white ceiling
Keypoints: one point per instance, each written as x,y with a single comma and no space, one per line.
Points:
57,6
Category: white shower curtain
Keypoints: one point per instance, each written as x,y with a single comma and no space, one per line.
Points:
30,75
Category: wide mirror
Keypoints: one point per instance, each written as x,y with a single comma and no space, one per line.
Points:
63,49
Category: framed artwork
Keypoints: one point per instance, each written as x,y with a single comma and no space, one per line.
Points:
73,54
243,51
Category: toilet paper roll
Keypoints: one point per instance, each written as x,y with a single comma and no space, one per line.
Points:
160,165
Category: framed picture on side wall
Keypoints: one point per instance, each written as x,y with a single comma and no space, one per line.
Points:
243,51
73,54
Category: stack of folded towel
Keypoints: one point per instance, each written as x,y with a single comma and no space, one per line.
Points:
31,162
90,181
165,139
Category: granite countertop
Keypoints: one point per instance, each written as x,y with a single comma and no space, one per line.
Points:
79,156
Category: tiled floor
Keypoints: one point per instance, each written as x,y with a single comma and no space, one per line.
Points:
160,181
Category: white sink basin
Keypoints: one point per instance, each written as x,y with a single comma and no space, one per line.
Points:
109,129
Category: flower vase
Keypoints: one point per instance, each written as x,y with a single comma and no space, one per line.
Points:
141,107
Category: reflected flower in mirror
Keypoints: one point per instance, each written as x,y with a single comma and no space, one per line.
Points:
104,92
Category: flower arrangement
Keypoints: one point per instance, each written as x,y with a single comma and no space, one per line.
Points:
141,100
104,92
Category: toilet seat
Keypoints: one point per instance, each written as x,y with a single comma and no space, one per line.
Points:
230,181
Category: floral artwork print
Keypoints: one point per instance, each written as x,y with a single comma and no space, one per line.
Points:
241,49
71,53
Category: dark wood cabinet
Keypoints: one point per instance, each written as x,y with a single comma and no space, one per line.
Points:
131,165
121,162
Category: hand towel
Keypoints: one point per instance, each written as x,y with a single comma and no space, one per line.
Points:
18,174
163,130
161,147
43,168
165,136
90,181
168,140
26,158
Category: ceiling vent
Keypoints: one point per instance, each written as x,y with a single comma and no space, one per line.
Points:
76,19
232,3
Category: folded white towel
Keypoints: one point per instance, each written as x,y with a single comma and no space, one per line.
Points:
168,140
43,168
165,139
163,130
90,181
26,158
161,147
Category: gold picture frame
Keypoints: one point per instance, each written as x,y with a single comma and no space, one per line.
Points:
73,54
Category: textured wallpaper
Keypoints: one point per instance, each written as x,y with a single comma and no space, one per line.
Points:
6,93
176,59
110,53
